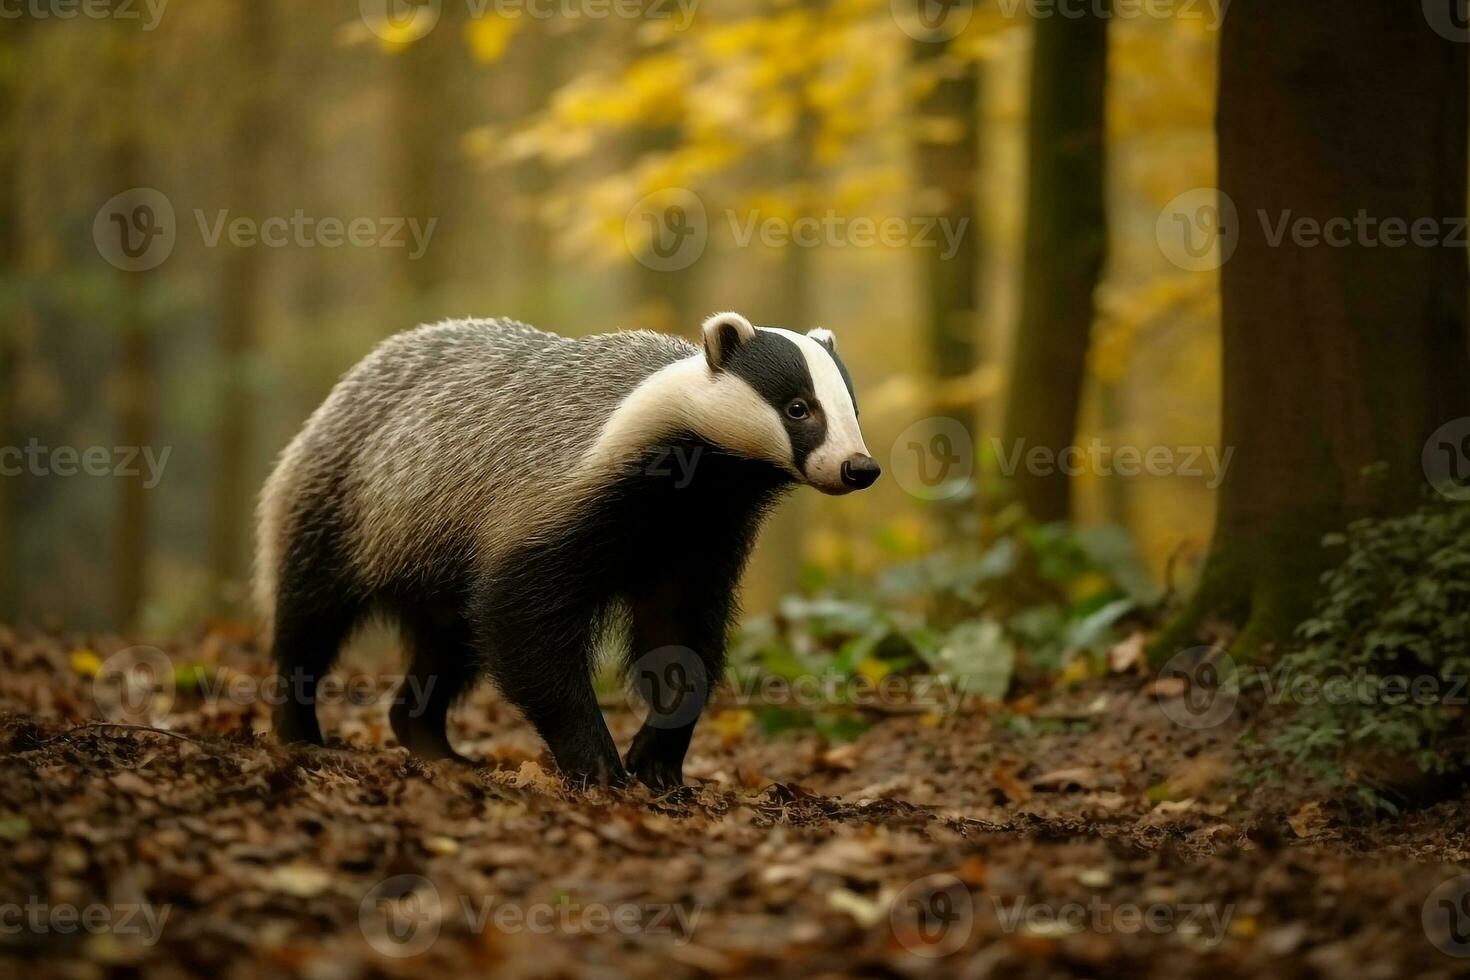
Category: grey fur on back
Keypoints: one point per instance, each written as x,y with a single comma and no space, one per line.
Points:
463,432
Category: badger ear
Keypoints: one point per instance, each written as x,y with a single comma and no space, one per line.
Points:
723,333
824,337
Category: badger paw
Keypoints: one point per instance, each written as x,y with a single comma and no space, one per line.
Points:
589,762
653,763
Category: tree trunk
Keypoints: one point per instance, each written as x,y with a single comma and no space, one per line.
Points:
12,284
1066,240
1338,356
428,124
242,293
947,157
135,354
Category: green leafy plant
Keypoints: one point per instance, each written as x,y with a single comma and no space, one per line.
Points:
974,619
1379,684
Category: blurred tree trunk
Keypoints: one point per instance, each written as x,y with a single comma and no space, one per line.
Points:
947,158
1340,357
12,296
1066,239
242,299
431,171
135,380
783,556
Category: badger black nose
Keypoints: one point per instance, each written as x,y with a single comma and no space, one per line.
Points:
859,472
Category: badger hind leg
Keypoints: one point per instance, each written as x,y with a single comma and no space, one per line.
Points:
309,633
441,665
316,607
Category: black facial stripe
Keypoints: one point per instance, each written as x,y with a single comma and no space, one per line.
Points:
776,368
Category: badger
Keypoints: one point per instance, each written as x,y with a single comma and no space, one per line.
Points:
506,496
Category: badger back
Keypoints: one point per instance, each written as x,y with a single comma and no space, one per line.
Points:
455,441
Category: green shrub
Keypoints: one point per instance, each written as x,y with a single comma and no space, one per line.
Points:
1386,655
972,617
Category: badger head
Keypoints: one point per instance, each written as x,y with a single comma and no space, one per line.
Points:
787,398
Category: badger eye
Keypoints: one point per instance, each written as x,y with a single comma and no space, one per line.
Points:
797,409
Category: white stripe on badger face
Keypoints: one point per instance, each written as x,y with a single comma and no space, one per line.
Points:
844,438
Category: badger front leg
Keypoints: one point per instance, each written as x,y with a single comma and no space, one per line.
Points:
676,657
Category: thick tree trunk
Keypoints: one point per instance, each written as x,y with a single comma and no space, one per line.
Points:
1066,240
947,158
242,294
1344,351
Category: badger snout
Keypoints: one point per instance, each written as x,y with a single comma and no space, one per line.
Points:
860,471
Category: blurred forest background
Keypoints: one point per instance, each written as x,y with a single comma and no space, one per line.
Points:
529,141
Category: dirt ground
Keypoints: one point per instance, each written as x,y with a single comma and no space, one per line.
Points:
1084,833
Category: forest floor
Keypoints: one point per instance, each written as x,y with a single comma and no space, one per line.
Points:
1081,832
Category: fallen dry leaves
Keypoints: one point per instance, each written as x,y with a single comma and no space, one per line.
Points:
949,847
